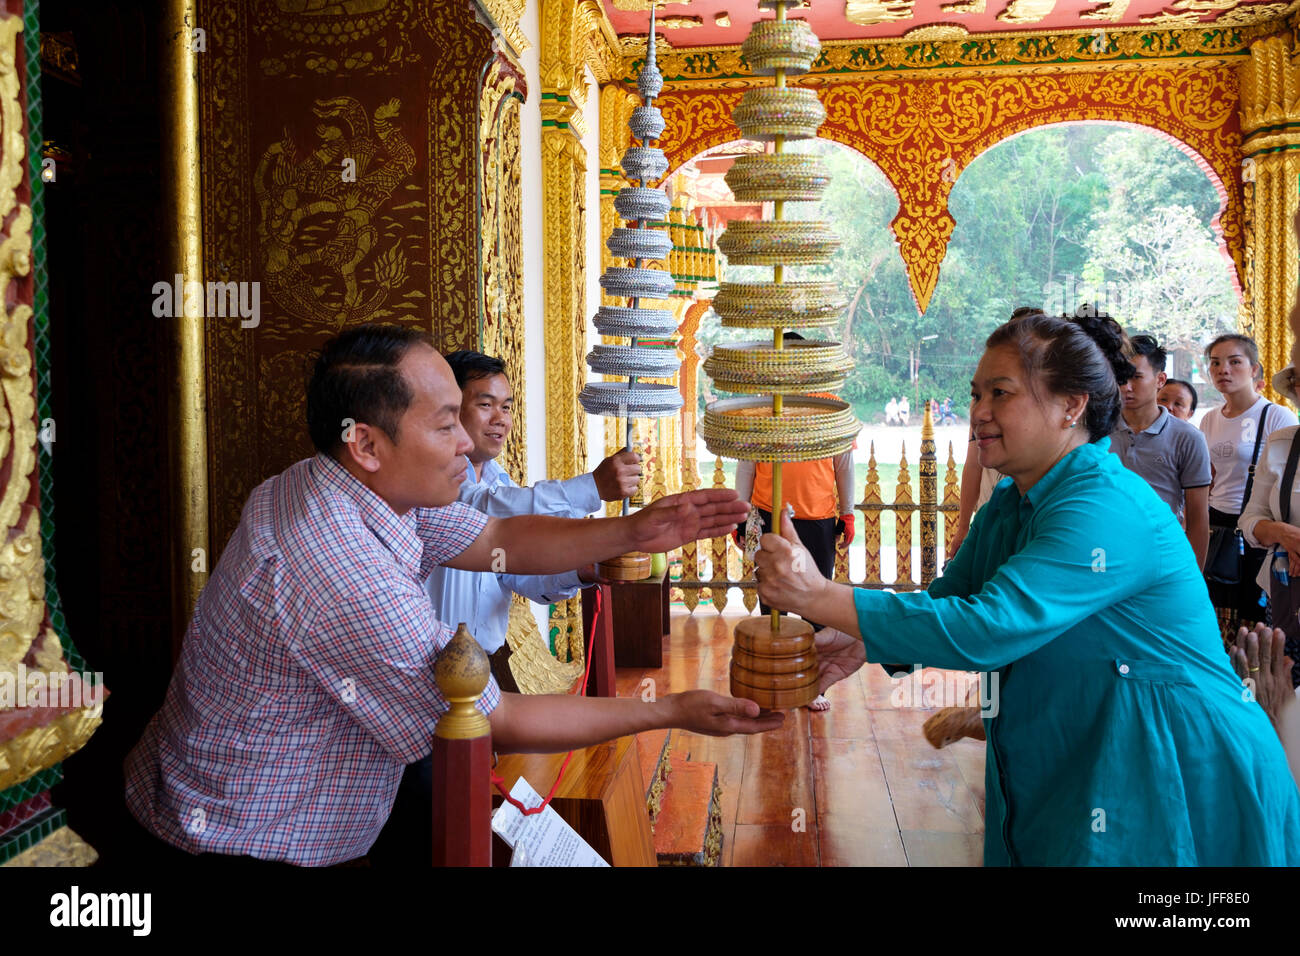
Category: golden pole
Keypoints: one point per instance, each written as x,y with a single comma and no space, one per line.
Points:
191,555
778,340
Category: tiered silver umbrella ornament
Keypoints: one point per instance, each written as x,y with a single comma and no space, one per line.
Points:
640,243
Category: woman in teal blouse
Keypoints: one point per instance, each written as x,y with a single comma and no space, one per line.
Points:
1121,736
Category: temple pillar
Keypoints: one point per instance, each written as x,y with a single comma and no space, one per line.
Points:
1270,101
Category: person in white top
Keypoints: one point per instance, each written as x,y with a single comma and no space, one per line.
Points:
1233,431
1266,523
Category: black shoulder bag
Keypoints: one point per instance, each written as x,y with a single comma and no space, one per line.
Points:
1284,592
1227,546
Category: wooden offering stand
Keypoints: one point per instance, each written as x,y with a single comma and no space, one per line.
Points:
774,664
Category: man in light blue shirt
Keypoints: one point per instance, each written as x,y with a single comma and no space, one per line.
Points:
482,600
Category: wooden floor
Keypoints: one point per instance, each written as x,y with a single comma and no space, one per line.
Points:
854,786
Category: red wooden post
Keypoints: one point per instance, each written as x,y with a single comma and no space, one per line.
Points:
462,758
601,680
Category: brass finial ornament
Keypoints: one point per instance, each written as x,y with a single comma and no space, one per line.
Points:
462,674
774,661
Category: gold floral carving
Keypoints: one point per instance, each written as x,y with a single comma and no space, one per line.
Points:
843,60
923,132
501,330
39,747
453,158
61,848
230,371
506,14
938,31
535,669
355,37
869,12
22,593
11,115
22,568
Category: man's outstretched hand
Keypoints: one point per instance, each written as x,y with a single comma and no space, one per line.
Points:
839,655
704,712
671,522
618,476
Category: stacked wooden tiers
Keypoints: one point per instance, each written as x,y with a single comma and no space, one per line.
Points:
774,661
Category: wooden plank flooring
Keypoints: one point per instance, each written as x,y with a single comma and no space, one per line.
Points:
853,786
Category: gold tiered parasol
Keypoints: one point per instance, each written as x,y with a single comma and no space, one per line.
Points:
774,661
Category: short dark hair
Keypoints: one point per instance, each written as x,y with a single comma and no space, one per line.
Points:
356,377
1025,310
1187,385
1247,343
1083,355
467,365
1147,346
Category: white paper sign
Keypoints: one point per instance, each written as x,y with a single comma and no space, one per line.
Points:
540,839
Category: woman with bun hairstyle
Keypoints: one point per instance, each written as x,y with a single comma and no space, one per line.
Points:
1117,733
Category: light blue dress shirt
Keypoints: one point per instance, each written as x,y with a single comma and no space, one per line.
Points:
1122,737
481,599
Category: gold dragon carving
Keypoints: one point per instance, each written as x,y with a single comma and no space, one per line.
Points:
321,232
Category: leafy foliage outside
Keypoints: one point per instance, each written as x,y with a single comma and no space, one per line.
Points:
1056,217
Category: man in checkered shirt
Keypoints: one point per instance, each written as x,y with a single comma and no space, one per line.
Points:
305,685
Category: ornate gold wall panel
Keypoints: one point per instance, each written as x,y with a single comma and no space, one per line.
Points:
923,132
288,97
32,736
1270,121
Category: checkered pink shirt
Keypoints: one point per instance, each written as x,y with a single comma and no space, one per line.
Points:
306,683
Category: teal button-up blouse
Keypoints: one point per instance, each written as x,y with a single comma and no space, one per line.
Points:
1119,734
